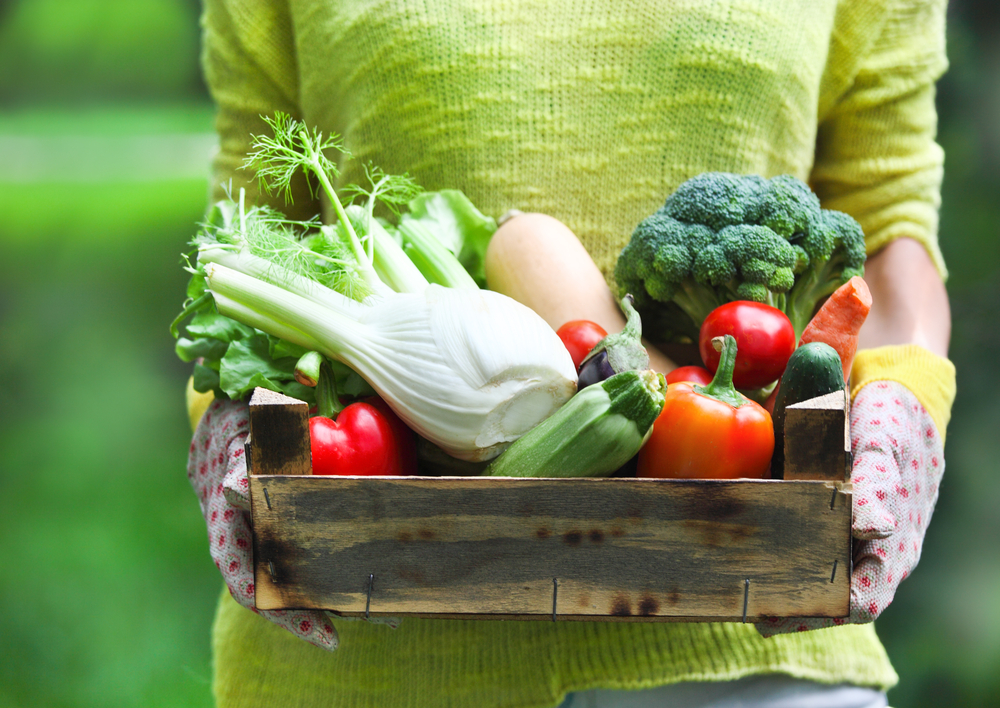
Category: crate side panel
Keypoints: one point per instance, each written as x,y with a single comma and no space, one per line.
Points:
616,548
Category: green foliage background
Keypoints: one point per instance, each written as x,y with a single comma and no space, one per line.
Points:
106,584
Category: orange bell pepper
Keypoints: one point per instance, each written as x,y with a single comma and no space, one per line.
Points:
709,432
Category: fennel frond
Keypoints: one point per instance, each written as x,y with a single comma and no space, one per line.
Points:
302,248
392,191
293,147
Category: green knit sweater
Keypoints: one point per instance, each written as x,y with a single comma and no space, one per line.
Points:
592,112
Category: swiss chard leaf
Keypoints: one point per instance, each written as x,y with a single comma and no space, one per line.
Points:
212,324
247,364
200,348
349,382
196,286
279,349
205,379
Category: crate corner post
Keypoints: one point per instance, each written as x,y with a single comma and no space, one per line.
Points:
818,448
817,439
279,435
277,446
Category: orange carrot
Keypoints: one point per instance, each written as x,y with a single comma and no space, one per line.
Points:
839,320
769,403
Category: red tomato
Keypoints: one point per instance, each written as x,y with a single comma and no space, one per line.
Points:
700,437
691,374
360,442
764,336
579,337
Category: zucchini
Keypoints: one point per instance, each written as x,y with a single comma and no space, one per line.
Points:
813,370
593,434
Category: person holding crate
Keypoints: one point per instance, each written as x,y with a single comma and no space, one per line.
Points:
592,115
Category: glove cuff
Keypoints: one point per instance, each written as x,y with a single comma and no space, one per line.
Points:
930,377
197,403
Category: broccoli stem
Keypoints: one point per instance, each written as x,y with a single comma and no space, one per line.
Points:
697,301
812,287
777,300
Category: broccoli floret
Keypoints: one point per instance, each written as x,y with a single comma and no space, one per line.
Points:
713,266
835,245
764,262
638,273
723,237
782,280
656,267
715,199
788,206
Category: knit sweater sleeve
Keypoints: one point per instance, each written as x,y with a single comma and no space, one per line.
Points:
876,154
249,62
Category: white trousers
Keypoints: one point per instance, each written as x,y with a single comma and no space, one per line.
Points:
769,691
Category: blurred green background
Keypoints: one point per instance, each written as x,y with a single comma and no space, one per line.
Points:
106,586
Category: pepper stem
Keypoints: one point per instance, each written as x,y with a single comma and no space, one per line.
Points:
327,401
721,387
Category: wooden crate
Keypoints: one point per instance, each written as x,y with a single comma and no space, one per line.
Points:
620,549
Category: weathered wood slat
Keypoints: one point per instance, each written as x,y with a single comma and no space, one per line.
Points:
492,547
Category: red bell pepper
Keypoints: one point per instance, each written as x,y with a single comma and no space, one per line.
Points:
406,439
365,438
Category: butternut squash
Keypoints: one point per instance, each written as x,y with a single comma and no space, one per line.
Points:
538,261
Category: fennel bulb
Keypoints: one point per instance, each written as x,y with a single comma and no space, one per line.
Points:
469,370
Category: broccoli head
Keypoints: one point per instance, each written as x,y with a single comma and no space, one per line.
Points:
787,206
716,199
723,237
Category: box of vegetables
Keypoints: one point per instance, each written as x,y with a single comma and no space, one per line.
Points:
422,446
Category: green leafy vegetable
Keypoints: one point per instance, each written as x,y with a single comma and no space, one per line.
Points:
357,256
247,365
470,371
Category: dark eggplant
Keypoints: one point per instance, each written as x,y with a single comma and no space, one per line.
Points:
594,370
622,351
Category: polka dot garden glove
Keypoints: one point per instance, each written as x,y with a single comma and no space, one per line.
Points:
218,472
898,447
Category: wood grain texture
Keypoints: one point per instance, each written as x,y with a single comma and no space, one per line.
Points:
279,434
817,438
618,548
615,549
